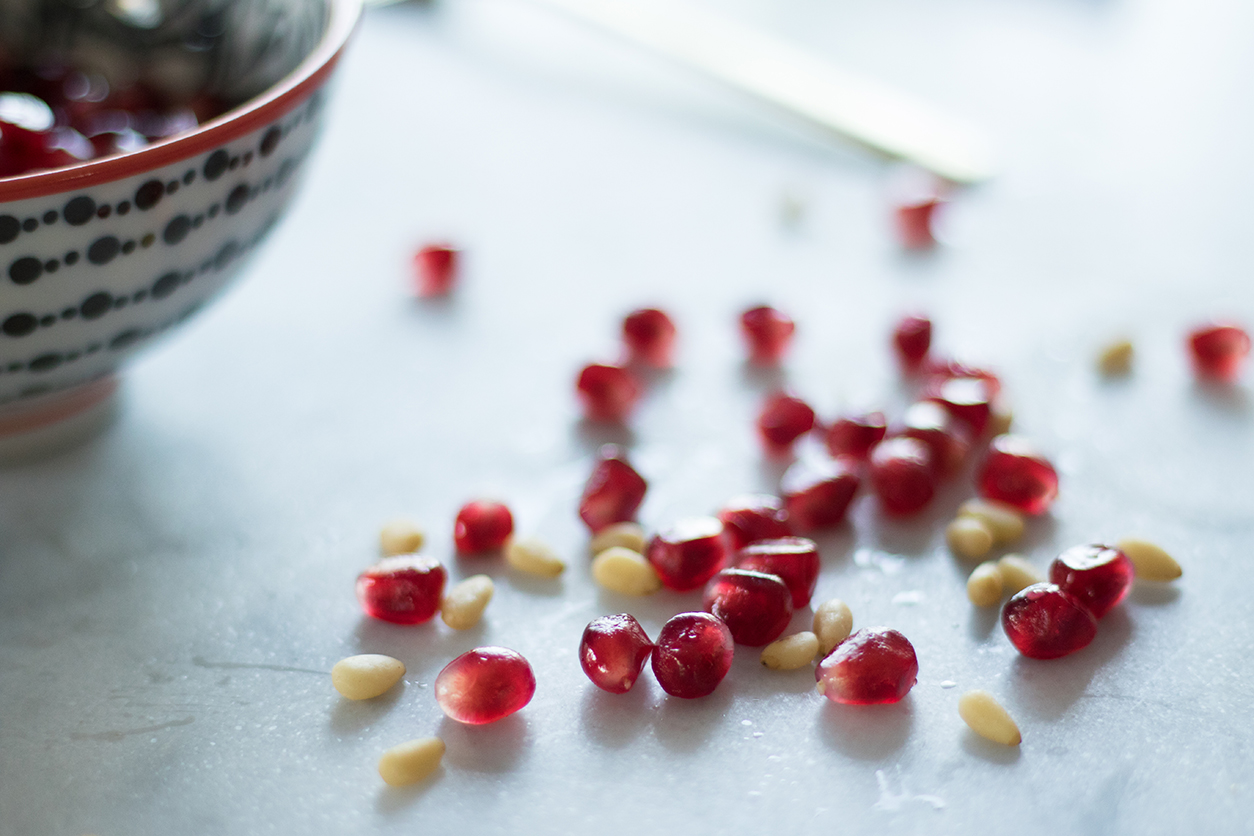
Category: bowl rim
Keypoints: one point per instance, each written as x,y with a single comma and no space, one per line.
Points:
295,87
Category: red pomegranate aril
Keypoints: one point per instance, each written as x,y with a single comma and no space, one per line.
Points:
767,334
856,435
753,517
795,560
1219,351
693,653
613,652
873,666
1098,576
614,491
485,685
649,335
435,269
689,553
608,393
912,338
784,419
1016,474
755,606
402,590
482,526
967,399
1044,622
914,223
932,424
817,493
939,370
902,475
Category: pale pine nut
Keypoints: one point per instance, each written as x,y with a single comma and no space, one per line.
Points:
1115,359
833,622
534,557
400,537
629,535
1003,521
411,762
968,537
621,570
463,605
366,676
985,716
1017,574
1000,420
1150,561
985,586
791,652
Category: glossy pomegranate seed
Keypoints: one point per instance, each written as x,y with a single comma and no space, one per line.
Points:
947,438
855,435
1219,351
1098,576
754,517
875,665
689,553
914,223
968,399
767,333
1016,474
435,269
795,560
784,419
817,494
482,526
940,370
650,337
613,651
755,606
484,685
1044,622
693,653
614,491
902,475
912,338
608,393
402,590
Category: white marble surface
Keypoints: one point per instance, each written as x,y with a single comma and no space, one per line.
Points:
173,593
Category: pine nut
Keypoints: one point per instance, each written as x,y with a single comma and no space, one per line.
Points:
988,719
1150,561
367,676
629,535
791,652
833,622
968,537
463,605
1003,521
400,537
411,762
1115,359
534,557
621,570
1017,574
984,586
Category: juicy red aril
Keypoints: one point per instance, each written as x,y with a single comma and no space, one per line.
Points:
613,651
482,526
767,333
1014,473
968,399
754,517
608,393
784,419
855,435
435,269
402,590
1044,622
875,665
650,337
912,338
484,685
914,223
939,370
689,553
948,440
795,560
1219,351
614,491
902,475
1098,576
755,606
817,494
693,653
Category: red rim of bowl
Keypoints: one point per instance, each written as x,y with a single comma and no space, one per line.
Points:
252,115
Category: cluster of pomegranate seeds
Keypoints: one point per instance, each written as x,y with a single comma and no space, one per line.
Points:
688,553
912,338
693,653
485,685
482,526
783,420
435,269
902,475
875,665
752,517
402,590
947,439
817,493
794,560
609,393
649,335
855,435
614,490
1016,474
767,334
613,651
1098,576
755,606
1219,351
1044,622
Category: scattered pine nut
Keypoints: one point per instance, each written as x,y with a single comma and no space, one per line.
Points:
987,718
400,537
1002,520
969,537
791,652
622,570
984,586
411,762
366,676
534,557
1017,574
629,535
1150,561
463,605
833,622
1000,420
1115,359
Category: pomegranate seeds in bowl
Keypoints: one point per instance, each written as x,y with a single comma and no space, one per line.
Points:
649,335
693,653
484,685
435,269
613,492
1219,351
1016,474
1098,576
482,526
755,606
688,553
608,393
402,590
767,334
613,651
1044,622
875,665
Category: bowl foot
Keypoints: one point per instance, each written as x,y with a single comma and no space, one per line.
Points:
46,424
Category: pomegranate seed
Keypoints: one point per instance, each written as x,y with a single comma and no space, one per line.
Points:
1014,473
934,370
755,606
484,685
902,475
1219,351
435,269
914,223
747,519
693,653
912,338
1098,576
855,435
402,590
482,526
1044,622
784,419
767,333
966,398
930,423
650,337
817,494
689,553
613,651
873,666
608,393
614,491
794,559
